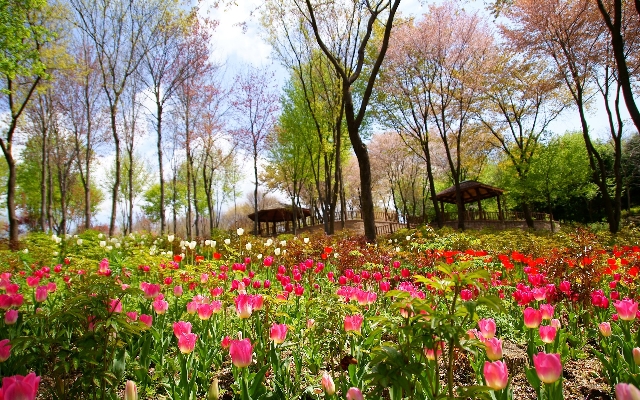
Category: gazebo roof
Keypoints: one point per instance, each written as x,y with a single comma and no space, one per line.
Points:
279,214
471,191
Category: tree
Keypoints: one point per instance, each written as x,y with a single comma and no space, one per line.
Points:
23,38
344,32
82,102
523,97
455,56
570,33
117,30
168,63
255,105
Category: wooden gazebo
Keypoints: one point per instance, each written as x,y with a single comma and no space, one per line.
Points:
282,216
472,191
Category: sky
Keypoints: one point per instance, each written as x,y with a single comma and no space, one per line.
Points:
237,41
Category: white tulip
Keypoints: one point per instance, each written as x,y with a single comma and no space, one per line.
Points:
170,238
277,251
79,242
306,240
240,231
227,241
103,243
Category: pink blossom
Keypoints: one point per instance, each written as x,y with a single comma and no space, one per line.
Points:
241,352
5,350
20,387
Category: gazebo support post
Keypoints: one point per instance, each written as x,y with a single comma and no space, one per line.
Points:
500,216
442,211
480,216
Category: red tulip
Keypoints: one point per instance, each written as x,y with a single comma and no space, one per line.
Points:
496,374
548,366
241,352
5,350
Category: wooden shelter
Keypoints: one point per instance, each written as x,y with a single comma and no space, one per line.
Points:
275,216
472,191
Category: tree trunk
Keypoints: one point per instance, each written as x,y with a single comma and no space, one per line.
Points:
116,184
43,182
160,167
11,203
256,222
130,177
617,45
527,215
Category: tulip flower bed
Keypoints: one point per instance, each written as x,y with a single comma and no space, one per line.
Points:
419,315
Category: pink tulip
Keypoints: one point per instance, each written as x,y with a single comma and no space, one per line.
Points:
547,311
177,291
20,387
327,384
187,342
493,348
496,374
487,327
115,306
160,306
33,281
626,391
626,309
532,318
278,333
244,305
547,333
151,291
146,319
17,300
354,394
132,315
353,323
11,317
5,350
605,329
205,311
226,342
41,294
5,301
241,352
181,327
555,323
466,294
548,366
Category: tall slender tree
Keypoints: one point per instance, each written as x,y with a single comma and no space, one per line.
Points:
255,103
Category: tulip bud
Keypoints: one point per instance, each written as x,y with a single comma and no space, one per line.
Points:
636,355
214,390
131,391
328,385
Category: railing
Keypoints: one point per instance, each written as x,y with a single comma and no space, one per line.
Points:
378,215
389,228
473,215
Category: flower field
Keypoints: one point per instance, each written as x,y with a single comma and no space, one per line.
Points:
419,315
